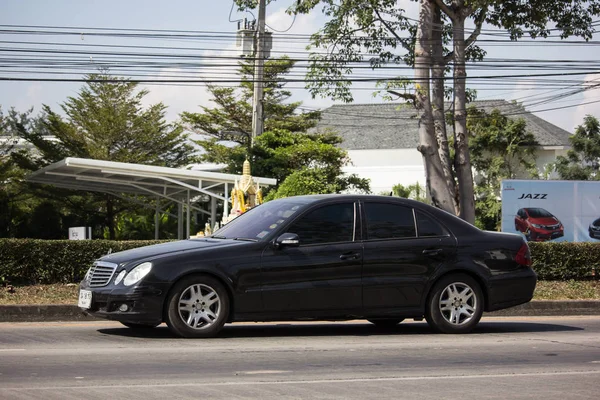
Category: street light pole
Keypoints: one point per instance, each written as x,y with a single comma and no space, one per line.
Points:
257,104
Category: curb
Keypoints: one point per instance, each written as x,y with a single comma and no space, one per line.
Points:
42,313
551,308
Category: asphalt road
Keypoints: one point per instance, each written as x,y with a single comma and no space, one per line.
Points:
517,358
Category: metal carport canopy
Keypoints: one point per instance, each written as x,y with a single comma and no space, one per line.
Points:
117,178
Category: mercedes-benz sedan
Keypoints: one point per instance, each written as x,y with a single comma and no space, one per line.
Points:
322,257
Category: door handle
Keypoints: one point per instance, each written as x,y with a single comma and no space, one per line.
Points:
432,252
350,256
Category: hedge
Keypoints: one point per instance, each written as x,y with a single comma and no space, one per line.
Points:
565,260
31,261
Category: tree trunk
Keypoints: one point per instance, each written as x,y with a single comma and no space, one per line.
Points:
437,99
436,181
462,159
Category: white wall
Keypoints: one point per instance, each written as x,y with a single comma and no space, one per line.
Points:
547,156
389,167
386,168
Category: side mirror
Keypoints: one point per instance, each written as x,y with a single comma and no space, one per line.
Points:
287,239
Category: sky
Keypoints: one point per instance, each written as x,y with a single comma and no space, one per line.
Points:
217,16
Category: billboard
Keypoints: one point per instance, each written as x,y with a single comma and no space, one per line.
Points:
552,210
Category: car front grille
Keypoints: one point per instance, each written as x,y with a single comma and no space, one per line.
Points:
101,273
551,227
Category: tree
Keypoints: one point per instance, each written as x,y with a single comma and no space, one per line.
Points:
372,29
105,121
414,191
501,148
231,119
311,161
583,160
15,199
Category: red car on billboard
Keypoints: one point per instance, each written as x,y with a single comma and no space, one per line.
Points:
538,225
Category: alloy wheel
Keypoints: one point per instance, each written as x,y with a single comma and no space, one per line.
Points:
199,306
458,303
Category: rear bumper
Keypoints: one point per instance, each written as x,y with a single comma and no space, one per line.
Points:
511,289
144,304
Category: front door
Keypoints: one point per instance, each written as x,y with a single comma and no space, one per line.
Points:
323,274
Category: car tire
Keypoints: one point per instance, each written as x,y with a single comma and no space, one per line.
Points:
386,322
197,307
140,327
455,304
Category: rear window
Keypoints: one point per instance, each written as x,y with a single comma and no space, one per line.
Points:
389,221
428,227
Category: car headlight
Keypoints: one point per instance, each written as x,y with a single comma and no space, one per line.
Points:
536,226
136,274
120,277
87,275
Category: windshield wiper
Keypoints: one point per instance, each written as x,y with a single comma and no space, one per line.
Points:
246,239
218,237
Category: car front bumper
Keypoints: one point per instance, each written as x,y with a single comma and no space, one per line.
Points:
543,235
140,304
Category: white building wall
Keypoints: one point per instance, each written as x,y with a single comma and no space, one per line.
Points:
546,156
387,167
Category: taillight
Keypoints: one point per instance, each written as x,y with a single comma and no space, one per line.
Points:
523,256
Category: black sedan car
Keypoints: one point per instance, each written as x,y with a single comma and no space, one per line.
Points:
322,257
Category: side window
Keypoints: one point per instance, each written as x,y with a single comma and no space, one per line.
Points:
427,226
388,221
327,224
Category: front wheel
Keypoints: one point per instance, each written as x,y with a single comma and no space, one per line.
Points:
197,307
455,304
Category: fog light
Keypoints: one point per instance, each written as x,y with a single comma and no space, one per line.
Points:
123,307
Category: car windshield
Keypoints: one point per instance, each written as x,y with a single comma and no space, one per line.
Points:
538,213
259,222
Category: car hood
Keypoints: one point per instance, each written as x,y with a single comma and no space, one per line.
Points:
544,221
163,249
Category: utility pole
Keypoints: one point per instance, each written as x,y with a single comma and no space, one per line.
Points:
259,60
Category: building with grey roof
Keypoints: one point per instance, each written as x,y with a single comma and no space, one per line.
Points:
382,139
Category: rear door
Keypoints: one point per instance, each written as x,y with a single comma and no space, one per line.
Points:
402,249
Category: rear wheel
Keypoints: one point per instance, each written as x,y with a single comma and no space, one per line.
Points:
386,322
197,306
455,304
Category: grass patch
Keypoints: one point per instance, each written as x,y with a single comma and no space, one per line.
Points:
67,294
569,290
39,294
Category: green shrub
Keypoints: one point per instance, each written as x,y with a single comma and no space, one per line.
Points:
32,261
565,260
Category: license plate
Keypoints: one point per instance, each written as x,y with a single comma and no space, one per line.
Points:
85,299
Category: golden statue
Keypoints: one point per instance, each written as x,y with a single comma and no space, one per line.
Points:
244,195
